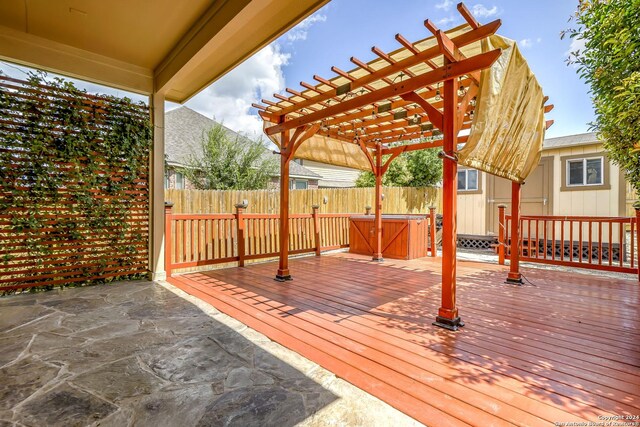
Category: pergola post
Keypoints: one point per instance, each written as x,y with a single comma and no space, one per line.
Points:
283,265
514,275
377,222
448,312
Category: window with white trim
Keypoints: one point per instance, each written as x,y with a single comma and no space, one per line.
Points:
586,171
179,181
467,180
298,184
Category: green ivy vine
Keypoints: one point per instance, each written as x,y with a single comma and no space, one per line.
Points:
73,181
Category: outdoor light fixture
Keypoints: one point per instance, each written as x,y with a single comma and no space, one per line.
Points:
438,97
461,90
325,200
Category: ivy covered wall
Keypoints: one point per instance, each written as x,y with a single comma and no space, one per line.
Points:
74,187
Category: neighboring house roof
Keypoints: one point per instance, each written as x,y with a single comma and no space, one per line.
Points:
298,171
588,138
184,129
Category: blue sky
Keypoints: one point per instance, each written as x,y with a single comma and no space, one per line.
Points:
345,28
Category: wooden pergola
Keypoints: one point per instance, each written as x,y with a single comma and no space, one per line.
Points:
420,96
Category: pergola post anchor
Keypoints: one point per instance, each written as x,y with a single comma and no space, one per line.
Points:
448,312
377,222
283,265
514,276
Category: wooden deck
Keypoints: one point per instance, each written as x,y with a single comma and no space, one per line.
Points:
564,348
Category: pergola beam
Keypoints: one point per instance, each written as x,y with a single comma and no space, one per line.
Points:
451,71
461,40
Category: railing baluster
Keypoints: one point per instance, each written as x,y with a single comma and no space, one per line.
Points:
553,239
581,244
600,243
590,248
546,226
610,243
631,243
561,240
622,247
570,240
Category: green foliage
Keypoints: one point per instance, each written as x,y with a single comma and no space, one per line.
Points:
230,163
72,169
421,168
610,63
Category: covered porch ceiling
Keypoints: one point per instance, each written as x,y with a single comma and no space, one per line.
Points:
143,46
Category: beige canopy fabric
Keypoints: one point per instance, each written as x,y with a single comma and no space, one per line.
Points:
508,128
324,149
508,123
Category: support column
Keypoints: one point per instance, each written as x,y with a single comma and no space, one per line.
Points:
377,222
448,312
283,265
514,275
156,191
636,206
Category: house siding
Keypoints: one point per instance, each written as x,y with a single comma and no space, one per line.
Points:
603,202
472,210
332,173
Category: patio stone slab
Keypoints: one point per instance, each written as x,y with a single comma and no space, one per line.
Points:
144,354
65,405
22,379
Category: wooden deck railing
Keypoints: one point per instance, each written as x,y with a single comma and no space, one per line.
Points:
194,240
599,243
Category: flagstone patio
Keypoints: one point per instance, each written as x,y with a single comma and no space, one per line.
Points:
137,353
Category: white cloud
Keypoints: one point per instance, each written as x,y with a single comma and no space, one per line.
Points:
527,43
481,11
299,32
447,21
445,5
229,99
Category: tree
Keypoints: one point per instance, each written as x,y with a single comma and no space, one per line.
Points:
421,168
610,63
230,162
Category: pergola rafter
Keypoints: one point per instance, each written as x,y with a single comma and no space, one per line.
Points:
419,96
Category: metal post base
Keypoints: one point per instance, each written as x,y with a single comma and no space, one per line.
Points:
450,324
377,259
284,278
514,281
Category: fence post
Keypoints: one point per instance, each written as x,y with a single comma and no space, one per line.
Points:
240,207
501,233
432,230
316,227
168,238
636,206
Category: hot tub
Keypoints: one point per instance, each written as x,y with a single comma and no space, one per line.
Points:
403,236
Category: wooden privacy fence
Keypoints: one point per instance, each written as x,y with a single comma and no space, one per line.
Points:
599,243
404,200
195,240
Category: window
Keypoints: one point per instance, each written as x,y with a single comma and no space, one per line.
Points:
467,180
179,181
166,180
298,184
585,171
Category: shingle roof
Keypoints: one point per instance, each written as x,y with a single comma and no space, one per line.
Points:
184,130
570,141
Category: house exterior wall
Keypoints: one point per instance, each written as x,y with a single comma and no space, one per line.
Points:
472,208
589,202
608,200
346,177
170,180
274,183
